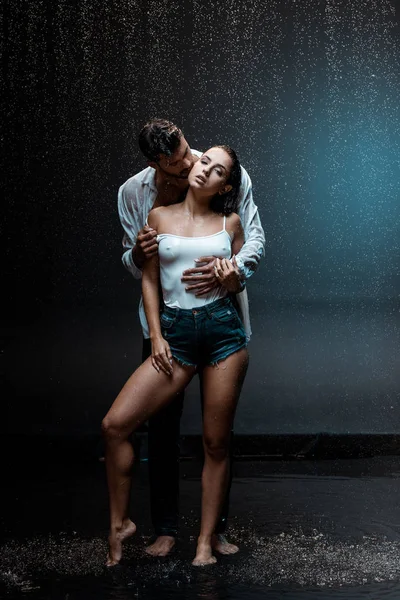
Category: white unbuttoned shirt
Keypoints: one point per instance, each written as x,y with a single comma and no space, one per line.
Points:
136,198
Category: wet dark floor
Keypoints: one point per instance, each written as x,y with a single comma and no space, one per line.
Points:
308,529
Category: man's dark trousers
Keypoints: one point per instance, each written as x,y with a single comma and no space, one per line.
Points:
163,444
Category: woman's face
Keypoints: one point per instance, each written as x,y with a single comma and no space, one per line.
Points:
211,172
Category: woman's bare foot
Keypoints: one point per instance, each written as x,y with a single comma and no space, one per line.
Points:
220,544
115,539
162,546
204,555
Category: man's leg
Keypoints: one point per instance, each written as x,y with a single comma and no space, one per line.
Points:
163,444
220,543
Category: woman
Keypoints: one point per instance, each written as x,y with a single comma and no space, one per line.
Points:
192,333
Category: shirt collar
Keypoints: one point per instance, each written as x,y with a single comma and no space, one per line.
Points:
149,178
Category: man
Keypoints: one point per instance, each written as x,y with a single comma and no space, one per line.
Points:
164,182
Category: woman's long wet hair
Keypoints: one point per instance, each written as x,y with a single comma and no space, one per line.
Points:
226,204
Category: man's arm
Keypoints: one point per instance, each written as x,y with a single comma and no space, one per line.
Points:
252,250
138,240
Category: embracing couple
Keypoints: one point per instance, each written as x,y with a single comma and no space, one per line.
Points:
192,233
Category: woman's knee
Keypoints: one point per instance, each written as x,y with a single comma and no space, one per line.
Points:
216,449
110,429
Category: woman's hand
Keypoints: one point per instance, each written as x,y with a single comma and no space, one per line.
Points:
227,274
161,357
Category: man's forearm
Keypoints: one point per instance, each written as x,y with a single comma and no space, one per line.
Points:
137,257
248,262
128,259
250,254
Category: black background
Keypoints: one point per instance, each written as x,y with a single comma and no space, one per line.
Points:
307,93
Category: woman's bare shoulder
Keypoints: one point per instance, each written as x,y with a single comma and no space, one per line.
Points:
233,220
158,215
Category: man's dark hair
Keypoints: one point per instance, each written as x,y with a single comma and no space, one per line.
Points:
159,136
226,204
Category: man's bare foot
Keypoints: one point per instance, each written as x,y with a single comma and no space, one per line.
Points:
220,544
115,540
162,546
204,555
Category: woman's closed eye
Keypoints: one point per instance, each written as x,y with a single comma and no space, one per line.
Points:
217,169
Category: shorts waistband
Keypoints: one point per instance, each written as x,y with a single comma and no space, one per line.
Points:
198,310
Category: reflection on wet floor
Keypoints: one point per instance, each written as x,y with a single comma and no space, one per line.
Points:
320,529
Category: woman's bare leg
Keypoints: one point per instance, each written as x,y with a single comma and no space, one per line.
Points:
221,387
143,394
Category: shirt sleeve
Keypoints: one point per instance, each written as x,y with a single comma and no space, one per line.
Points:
131,222
253,249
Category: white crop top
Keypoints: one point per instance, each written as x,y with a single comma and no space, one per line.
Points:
178,253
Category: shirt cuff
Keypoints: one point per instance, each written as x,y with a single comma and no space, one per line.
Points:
129,264
242,269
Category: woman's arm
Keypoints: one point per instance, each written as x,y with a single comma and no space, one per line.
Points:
238,234
161,356
226,271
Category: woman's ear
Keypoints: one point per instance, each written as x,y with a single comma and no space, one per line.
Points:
225,189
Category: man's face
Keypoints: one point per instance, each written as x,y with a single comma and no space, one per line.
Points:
179,163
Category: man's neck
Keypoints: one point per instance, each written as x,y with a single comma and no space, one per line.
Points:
169,189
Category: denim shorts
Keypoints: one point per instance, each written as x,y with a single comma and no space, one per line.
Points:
204,335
